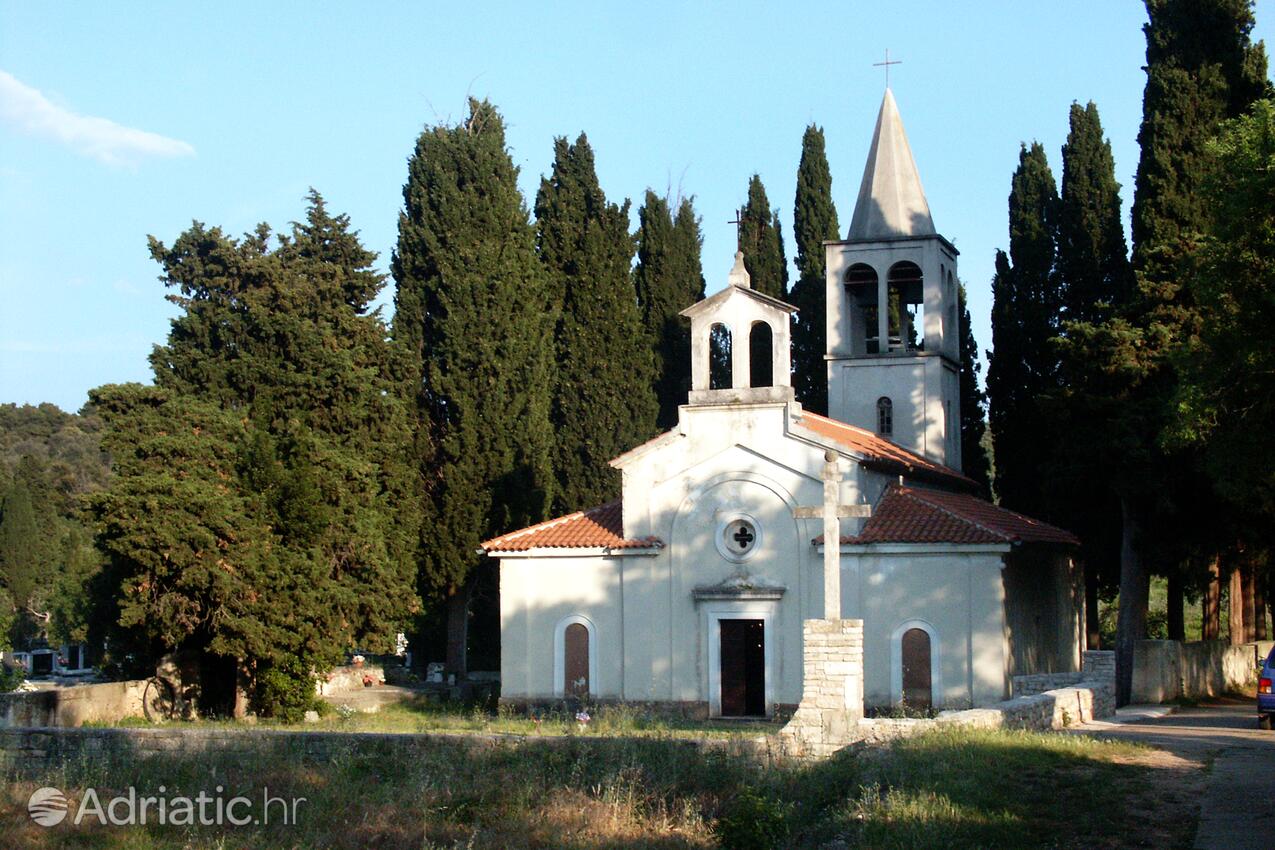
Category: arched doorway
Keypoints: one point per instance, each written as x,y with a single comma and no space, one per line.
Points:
918,693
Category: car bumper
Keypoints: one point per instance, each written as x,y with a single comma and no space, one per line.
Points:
1266,704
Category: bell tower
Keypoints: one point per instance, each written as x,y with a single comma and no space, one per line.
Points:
893,349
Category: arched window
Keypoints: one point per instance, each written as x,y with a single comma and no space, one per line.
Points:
885,417
575,657
760,356
907,298
719,358
861,287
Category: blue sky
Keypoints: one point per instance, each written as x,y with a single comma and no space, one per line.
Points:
122,120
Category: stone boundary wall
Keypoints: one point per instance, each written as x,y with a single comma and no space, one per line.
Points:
349,678
832,688
106,702
1166,670
1096,665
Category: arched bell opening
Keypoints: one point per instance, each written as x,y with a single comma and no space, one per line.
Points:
861,283
761,355
906,318
719,358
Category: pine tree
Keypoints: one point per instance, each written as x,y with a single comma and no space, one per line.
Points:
473,310
814,222
667,280
604,401
1025,316
974,461
762,241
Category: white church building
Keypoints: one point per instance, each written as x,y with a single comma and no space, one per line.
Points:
692,588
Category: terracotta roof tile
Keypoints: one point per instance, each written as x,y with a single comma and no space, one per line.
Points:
914,515
876,449
600,527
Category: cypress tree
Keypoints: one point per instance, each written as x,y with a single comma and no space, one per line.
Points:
814,222
1025,315
974,461
667,280
1097,281
473,311
604,401
761,239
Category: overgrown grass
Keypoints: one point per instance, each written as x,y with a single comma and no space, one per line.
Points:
949,788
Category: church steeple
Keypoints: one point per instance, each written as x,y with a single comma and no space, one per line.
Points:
891,201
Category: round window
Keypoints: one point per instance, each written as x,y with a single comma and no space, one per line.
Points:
738,537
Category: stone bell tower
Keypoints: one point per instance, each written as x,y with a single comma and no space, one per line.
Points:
893,348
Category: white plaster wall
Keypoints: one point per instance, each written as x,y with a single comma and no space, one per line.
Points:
958,595
535,595
920,386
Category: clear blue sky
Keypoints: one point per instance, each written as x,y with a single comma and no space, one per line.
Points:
121,120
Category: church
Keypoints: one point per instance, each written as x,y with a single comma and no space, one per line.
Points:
690,591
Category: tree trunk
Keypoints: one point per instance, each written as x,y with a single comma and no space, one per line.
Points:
1250,601
240,708
1211,626
1260,586
1176,616
1236,605
1131,621
1093,638
458,629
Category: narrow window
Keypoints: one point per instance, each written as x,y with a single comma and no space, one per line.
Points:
760,358
719,358
885,417
575,664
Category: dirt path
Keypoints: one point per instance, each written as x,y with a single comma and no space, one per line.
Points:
1236,796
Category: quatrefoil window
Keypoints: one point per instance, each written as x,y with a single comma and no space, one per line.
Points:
738,537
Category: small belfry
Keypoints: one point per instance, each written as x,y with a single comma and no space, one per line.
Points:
893,348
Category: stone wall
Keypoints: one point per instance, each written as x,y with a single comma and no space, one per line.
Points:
107,702
1166,670
349,678
832,688
1096,665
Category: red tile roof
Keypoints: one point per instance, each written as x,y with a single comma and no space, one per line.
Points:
914,515
880,452
600,527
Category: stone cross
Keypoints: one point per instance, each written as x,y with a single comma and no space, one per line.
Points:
832,511
738,221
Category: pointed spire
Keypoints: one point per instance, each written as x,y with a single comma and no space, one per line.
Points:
891,201
738,274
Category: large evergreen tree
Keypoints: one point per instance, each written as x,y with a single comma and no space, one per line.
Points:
814,222
974,461
761,239
1025,315
1097,282
474,312
1201,69
604,401
668,279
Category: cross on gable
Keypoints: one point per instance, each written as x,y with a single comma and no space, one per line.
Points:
738,221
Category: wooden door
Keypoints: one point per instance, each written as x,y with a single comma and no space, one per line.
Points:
576,663
743,668
917,693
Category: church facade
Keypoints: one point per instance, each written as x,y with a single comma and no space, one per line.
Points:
692,588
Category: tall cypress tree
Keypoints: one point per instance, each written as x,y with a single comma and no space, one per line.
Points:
974,460
1097,282
474,312
604,401
1201,69
814,222
667,280
1025,315
761,239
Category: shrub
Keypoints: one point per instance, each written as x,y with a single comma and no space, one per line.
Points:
285,690
10,677
752,821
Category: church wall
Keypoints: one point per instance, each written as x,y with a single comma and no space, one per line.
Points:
1044,612
955,596
920,386
535,597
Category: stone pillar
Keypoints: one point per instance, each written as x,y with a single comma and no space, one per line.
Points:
832,689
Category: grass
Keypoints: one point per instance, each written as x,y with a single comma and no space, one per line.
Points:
420,715
950,788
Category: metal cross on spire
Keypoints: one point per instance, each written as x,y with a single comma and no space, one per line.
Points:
887,63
